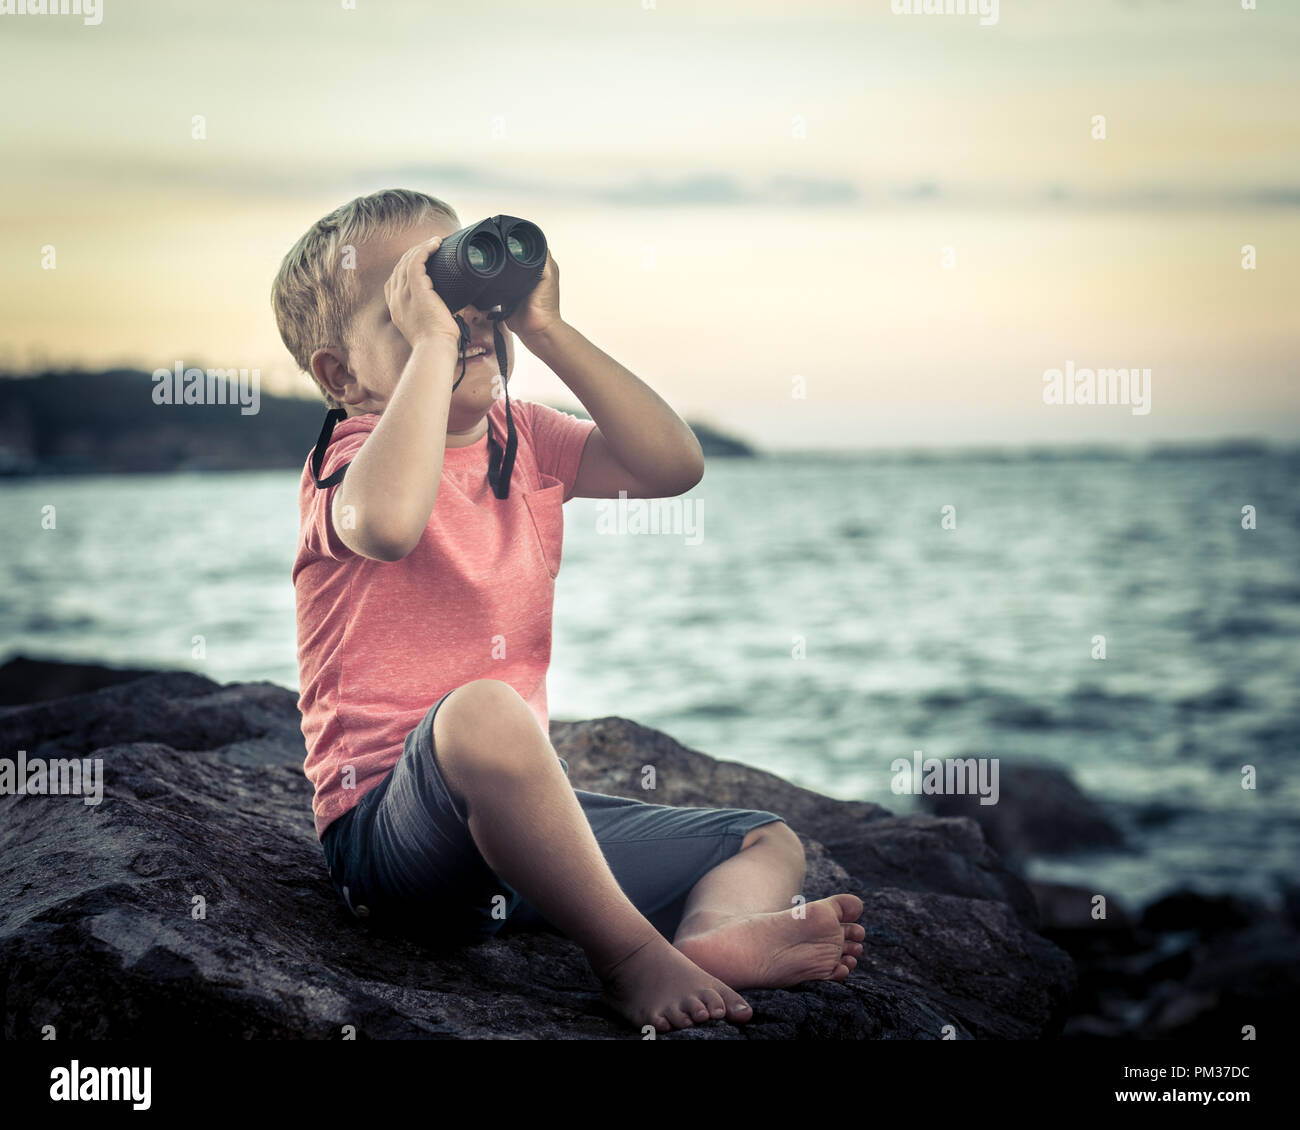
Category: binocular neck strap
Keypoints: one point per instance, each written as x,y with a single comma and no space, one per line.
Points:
501,464
332,417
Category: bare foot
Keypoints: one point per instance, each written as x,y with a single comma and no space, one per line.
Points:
776,950
660,986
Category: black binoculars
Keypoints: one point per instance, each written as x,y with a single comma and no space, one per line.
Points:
493,264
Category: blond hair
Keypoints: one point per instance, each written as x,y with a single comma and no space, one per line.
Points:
314,295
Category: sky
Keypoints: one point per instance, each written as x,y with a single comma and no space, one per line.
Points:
823,225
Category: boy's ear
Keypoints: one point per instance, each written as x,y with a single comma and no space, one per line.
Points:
332,371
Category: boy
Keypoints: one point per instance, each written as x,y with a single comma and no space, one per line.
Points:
417,584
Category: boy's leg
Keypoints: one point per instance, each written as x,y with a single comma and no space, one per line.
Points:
743,923
764,875
531,830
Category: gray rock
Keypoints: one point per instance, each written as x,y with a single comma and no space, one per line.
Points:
1065,907
1040,811
205,799
1191,910
24,680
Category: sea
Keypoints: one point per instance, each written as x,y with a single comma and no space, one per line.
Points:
1133,618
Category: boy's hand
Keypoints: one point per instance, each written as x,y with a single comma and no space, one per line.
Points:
416,309
541,309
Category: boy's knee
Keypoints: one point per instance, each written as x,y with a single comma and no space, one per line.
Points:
485,697
778,832
485,724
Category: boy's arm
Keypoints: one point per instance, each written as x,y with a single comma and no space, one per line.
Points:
639,444
393,482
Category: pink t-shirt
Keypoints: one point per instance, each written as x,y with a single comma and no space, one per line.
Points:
379,642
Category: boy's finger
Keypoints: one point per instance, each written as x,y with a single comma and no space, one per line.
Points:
418,253
419,260
410,253
422,251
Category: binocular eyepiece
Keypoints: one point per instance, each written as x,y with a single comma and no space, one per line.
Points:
494,263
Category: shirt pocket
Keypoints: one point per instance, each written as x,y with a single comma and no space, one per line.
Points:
545,508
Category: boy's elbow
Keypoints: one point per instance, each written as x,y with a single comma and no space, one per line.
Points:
674,478
692,470
395,548
385,545
382,530
386,552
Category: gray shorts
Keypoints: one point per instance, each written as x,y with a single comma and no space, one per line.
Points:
403,858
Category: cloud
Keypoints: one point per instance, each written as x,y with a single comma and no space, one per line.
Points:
699,188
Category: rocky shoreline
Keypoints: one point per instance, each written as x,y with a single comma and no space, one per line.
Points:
194,899
1186,966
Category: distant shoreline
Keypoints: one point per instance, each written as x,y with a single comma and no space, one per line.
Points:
82,422
76,422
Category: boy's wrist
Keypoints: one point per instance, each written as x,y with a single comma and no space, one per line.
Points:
433,349
541,341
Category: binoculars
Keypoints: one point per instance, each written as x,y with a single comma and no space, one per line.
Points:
492,264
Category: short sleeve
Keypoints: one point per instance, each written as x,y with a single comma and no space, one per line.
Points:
319,533
558,442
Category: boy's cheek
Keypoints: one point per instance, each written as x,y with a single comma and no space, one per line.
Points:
394,350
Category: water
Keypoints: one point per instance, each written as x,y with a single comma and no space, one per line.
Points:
824,624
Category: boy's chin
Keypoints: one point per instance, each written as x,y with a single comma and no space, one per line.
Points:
476,405
480,398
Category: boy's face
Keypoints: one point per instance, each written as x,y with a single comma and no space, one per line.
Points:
378,352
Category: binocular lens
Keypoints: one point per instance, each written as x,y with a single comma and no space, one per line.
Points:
481,254
521,247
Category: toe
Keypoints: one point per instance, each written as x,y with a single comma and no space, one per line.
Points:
679,1017
850,907
696,1009
841,971
714,1002
737,1008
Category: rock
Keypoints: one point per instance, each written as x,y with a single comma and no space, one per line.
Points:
249,723
1063,907
1237,978
205,799
1040,811
24,680
1190,966
1157,814
1290,893
1088,1027
1255,966
942,855
1191,910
